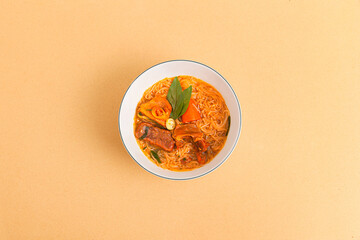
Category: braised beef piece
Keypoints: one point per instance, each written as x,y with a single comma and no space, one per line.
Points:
156,136
201,157
191,133
181,141
202,145
187,130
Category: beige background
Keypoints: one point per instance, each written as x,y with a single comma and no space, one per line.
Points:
65,65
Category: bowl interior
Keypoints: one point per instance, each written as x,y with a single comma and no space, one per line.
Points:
171,69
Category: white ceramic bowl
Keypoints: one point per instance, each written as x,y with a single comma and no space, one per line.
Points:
171,69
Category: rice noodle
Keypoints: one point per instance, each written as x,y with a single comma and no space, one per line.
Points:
213,123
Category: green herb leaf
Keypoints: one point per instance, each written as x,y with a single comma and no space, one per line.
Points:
179,104
187,95
155,156
174,92
229,122
145,134
178,99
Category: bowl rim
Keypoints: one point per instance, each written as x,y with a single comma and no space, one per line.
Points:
225,158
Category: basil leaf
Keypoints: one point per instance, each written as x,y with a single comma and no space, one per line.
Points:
155,155
187,95
174,92
178,99
145,134
179,105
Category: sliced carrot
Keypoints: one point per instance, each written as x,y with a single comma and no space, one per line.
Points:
157,109
192,113
159,113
